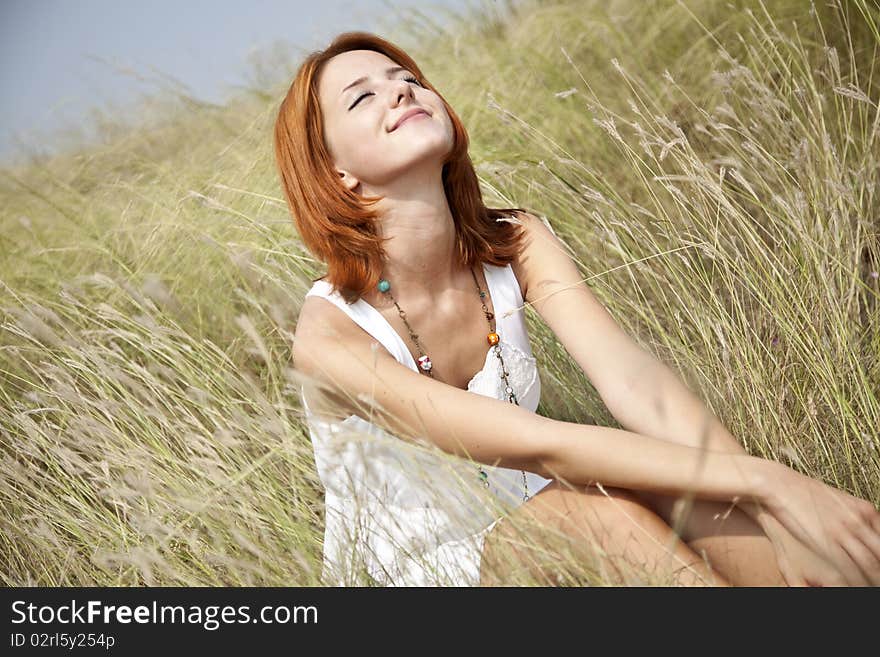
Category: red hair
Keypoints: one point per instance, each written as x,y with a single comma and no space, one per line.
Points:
336,224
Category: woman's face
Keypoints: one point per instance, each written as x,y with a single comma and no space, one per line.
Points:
358,121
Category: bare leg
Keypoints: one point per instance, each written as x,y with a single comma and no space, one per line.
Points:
612,532
733,542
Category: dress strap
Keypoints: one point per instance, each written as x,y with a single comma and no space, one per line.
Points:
369,319
510,310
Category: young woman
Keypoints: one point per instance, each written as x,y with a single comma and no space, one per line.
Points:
422,279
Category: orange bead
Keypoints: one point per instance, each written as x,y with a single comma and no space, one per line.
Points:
493,338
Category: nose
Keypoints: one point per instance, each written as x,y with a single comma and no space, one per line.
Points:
400,88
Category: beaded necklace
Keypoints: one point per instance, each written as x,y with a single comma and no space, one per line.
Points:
494,341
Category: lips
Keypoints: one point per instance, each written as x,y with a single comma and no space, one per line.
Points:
406,115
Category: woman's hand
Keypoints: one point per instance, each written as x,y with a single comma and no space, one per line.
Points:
799,565
843,531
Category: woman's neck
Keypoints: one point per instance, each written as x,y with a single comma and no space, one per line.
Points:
421,255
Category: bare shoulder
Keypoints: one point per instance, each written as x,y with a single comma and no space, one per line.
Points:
325,334
320,320
527,265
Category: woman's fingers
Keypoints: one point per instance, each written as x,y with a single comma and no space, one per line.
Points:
853,555
858,548
825,579
869,530
863,541
865,562
871,538
836,526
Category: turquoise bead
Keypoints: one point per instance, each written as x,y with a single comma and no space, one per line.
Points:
384,285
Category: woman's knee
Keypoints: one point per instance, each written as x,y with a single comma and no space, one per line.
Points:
587,526
528,545
725,535
591,510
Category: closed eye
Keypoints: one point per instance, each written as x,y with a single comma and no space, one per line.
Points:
370,93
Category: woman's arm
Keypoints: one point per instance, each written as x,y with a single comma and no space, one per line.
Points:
647,398
642,393
660,405
584,454
331,349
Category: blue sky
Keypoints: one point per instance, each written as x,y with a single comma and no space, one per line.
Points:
59,58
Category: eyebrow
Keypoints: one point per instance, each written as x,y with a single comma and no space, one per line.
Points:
388,71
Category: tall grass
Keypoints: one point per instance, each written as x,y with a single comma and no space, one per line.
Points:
712,166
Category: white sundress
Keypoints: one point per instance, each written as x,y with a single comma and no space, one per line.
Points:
410,515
